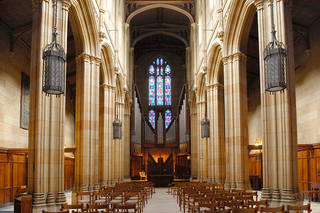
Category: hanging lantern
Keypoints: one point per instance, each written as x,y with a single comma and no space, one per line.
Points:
274,61
117,129
133,136
54,59
205,127
188,137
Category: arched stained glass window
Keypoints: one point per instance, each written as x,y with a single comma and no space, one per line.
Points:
159,83
168,116
152,118
152,91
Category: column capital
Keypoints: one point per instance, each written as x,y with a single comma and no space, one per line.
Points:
258,4
84,57
66,4
239,56
107,87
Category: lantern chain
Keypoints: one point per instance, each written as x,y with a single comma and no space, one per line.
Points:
55,22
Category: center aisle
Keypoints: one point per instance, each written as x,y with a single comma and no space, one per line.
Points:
162,202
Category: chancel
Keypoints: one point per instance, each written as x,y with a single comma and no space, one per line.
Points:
109,102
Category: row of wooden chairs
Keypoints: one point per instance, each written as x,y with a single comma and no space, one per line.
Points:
128,208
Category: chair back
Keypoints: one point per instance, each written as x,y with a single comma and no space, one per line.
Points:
77,208
298,208
272,209
252,203
125,207
93,207
219,211
237,210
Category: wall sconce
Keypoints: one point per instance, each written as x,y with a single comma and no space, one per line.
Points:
205,127
188,157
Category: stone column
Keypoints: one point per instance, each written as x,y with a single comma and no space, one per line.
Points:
87,123
111,151
126,141
47,114
210,116
202,157
217,167
236,121
194,142
279,125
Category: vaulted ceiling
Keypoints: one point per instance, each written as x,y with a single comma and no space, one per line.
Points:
157,29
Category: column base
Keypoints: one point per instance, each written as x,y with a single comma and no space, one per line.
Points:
38,200
50,199
276,196
289,195
265,194
233,185
83,188
96,187
227,185
61,198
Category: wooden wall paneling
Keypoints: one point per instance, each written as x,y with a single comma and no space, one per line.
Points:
68,173
2,178
316,165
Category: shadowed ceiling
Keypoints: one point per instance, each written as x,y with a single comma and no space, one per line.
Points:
152,30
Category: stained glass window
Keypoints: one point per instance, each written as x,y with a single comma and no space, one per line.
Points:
168,90
151,70
152,118
168,118
159,83
152,92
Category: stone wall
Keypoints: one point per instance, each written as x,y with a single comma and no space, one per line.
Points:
12,65
307,66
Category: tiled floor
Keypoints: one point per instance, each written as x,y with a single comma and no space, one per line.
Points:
161,202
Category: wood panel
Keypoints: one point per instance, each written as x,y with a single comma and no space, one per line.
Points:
13,174
69,168
255,164
308,165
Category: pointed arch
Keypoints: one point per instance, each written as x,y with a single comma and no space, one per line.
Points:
84,27
241,13
153,6
214,64
107,71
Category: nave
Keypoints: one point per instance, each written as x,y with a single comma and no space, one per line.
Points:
162,202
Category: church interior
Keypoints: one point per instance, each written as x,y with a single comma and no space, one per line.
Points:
96,93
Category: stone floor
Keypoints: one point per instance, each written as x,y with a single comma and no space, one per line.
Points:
161,202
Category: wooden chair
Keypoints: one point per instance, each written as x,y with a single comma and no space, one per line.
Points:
84,197
272,209
314,190
298,208
233,204
129,208
253,203
77,208
99,198
85,212
219,211
94,207
245,199
254,194
202,207
222,200
134,198
237,210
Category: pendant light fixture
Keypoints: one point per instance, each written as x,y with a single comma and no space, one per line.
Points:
54,59
275,62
